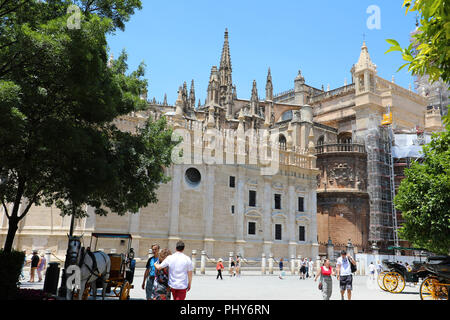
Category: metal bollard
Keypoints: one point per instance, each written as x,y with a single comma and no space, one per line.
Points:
203,262
293,264
263,264
194,261
52,278
48,256
271,263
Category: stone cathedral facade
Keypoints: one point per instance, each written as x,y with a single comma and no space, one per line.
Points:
326,183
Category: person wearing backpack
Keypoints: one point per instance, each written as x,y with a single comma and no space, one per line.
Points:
345,267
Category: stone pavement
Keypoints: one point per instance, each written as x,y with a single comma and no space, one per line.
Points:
253,286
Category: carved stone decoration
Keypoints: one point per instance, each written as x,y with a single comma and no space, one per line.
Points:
252,182
342,174
277,186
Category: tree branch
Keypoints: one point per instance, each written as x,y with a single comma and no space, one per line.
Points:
6,209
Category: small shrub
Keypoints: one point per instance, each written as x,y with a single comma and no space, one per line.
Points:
10,267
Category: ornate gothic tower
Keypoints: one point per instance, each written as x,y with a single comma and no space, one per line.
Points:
225,70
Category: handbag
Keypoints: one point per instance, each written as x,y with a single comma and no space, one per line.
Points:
352,266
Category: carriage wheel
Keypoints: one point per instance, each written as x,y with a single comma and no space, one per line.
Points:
400,283
380,280
390,281
125,291
431,290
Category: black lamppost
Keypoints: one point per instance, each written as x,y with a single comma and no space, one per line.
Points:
62,292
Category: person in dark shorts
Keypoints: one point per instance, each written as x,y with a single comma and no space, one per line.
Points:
232,272
344,274
34,264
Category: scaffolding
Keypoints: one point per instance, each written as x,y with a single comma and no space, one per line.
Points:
390,158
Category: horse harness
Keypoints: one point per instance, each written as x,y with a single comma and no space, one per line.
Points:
94,271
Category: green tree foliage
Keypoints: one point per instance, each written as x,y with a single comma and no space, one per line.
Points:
58,100
424,197
429,52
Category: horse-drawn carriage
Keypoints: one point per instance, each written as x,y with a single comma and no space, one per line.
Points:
395,275
437,284
114,272
435,272
121,273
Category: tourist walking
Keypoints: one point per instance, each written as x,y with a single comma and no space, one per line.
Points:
372,271
307,267
232,270
42,266
180,272
22,276
219,268
34,264
302,269
238,266
379,267
150,272
281,268
160,288
344,274
326,283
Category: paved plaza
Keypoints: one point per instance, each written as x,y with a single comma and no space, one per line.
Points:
253,286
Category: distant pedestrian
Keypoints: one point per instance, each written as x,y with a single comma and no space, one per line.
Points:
42,266
238,266
219,268
379,267
372,271
22,276
160,288
34,264
307,267
302,269
150,272
344,274
325,273
180,272
281,268
232,268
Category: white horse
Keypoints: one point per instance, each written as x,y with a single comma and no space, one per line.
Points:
89,271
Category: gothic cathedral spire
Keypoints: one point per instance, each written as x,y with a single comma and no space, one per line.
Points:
225,70
269,87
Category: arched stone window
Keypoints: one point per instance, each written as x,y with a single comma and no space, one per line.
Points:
282,141
345,138
320,143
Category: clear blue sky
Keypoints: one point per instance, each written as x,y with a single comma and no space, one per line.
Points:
180,40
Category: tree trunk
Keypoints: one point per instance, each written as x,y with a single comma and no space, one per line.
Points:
12,229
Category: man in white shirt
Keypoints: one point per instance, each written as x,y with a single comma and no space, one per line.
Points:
180,272
344,274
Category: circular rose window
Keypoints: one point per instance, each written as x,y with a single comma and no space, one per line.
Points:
193,177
